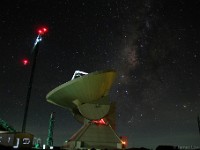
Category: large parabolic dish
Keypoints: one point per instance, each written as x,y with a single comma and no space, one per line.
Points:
86,89
87,98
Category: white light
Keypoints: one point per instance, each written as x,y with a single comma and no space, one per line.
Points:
51,147
38,39
16,146
44,146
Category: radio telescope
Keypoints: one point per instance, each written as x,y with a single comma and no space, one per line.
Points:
86,96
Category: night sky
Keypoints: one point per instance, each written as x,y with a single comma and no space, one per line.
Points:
153,45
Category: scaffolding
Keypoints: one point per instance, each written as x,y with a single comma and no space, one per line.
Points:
5,126
50,130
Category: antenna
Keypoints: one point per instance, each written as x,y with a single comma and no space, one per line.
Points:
87,97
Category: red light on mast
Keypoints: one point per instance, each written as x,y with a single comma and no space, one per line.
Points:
45,29
25,62
42,31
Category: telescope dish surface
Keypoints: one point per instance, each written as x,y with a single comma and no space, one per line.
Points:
85,89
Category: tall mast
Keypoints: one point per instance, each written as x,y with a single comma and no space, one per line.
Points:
41,32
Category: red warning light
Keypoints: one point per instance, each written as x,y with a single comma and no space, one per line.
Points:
124,141
101,121
25,62
42,31
45,29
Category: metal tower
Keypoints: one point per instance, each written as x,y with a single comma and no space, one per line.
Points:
6,126
50,130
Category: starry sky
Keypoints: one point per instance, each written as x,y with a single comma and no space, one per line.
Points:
153,45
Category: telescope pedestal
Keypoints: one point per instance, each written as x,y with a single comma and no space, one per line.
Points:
92,135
